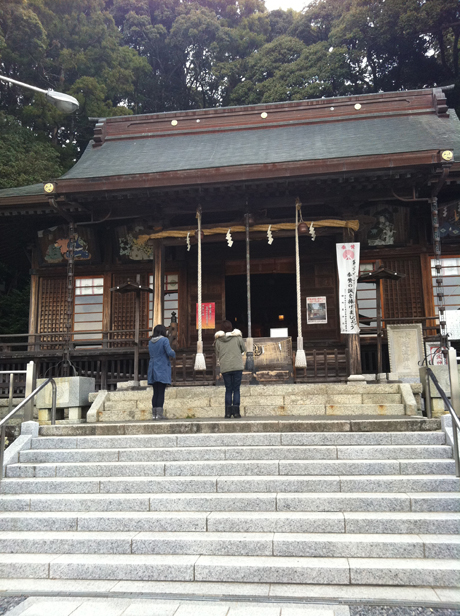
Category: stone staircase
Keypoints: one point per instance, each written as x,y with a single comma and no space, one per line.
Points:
309,399
350,502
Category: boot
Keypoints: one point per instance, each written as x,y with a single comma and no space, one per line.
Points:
160,413
236,412
154,412
228,412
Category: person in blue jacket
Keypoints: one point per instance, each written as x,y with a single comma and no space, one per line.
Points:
159,374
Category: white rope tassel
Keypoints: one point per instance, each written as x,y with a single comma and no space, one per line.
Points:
200,362
300,357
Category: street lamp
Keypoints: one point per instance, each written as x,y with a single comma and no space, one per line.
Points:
63,102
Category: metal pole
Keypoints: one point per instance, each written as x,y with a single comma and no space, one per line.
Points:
10,393
28,409
53,402
453,377
250,342
2,449
428,395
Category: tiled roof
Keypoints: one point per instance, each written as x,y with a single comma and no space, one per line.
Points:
321,141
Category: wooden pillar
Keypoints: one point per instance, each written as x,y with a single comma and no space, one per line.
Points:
352,340
158,281
33,304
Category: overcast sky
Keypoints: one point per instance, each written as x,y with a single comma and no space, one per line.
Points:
297,5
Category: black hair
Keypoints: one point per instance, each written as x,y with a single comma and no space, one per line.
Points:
227,326
159,330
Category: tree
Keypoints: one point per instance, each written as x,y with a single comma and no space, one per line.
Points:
25,158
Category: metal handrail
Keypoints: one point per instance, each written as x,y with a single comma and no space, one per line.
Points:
4,421
455,419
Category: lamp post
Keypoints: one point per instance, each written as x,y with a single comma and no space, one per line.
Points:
63,102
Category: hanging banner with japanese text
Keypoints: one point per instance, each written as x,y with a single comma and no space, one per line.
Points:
348,269
208,316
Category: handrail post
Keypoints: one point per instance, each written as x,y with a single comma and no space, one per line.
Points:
453,377
28,409
53,402
10,393
428,396
2,449
455,400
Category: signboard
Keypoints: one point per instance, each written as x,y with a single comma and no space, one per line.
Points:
316,310
348,269
453,324
208,316
272,353
434,355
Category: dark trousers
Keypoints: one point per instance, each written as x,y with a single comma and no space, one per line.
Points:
158,398
232,382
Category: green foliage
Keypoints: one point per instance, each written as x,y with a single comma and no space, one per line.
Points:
25,158
14,301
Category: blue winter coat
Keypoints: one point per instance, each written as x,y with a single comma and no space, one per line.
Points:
160,364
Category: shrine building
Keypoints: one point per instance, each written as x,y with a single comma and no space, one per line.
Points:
378,169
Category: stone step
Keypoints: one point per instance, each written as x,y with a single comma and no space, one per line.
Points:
321,545
277,452
249,569
237,440
235,502
265,483
241,521
231,467
279,425
263,408
303,390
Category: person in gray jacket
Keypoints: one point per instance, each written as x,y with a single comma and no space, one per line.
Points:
230,347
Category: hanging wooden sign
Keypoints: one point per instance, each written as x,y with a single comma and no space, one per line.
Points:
208,315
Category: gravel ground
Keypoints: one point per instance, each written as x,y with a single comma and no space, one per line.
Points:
387,610
7,603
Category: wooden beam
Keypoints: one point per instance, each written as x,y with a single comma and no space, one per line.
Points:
353,340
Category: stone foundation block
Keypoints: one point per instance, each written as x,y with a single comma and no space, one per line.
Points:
263,411
381,398
200,391
193,401
365,409
125,415
263,401
305,409
305,399
120,405
344,399
191,412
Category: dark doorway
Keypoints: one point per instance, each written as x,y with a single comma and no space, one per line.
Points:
273,303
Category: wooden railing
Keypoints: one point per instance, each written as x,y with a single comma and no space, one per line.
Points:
322,366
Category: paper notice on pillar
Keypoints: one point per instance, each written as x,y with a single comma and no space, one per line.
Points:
348,269
208,316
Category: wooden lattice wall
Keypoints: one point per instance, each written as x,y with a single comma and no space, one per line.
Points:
53,306
123,307
404,298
